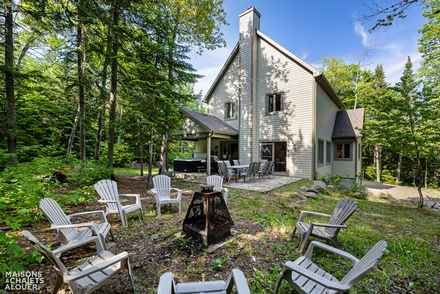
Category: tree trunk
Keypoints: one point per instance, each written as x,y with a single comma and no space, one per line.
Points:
399,167
377,161
102,94
113,86
9,85
150,159
72,135
81,82
435,173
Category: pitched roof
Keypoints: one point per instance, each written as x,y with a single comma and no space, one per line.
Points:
348,123
210,122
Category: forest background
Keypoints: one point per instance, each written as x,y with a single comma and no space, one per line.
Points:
99,83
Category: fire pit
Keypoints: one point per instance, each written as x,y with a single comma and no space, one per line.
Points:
208,219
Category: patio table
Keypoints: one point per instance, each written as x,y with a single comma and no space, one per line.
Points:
237,168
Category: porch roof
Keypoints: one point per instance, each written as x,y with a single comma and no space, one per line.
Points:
207,125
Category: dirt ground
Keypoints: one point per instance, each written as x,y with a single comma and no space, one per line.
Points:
401,193
155,247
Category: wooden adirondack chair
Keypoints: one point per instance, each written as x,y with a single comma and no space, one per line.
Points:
217,182
90,275
305,276
236,278
328,231
66,229
162,191
108,191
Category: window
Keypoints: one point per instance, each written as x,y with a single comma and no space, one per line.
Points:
328,152
343,151
320,152
230,110
274,103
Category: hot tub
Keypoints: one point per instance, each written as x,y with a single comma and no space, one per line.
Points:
189,165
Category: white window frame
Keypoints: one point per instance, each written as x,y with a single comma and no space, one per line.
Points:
277,106
320,152
328,152
230,106
340,151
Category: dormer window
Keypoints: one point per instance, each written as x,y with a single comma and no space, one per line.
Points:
230,110
274,103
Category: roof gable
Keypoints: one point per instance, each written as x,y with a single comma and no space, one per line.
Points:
348,123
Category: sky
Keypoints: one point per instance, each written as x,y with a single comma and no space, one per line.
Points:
312,29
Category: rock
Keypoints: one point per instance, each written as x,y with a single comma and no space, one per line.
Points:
347,185
321,184
331,187
311,195
376,193
304,188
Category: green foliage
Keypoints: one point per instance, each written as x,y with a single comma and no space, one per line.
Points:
218,264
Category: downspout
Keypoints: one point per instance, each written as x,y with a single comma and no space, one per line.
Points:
255,129
317,76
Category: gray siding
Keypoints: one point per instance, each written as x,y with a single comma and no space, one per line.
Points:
278,73
345,168
325,120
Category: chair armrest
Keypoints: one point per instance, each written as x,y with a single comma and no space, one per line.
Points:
226,189
107,201
166,284
80,274
313,224
179,192
72,226
138,197
306,213
79,243
314,277
100,213
237,278
330,249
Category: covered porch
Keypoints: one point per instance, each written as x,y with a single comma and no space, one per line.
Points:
212,138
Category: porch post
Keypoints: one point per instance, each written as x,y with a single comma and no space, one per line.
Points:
208,154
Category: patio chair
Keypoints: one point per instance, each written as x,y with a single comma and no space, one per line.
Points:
236,278
90,275
269,170
247,174
306,277
327,231
108,191
225,171
236,162
217,182
256,169
70,232
263,170
162,192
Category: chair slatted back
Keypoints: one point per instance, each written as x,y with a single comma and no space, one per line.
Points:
108,190
162,184
365,264
250,169
216,181
343,210
256,168
46,252
56,216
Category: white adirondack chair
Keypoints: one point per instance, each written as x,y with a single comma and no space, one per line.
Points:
108,191
90,275
307,277
162,191
236,278
66,229
327,231
217,182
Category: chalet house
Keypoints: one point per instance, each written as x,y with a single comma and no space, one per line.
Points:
267,103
